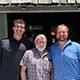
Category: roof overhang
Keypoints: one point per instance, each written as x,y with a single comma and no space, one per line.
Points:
39,8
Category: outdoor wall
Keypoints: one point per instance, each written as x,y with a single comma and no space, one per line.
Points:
3,25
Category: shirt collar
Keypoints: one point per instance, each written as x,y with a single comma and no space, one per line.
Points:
45,53
15,41
67,43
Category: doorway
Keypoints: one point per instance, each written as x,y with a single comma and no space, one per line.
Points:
45,22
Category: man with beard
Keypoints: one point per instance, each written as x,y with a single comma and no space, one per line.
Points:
65,55
11,51
37,61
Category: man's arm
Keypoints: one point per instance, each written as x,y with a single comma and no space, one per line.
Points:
51,74
23,72
0,51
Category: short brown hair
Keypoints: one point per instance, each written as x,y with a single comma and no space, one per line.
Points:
62,25
21,21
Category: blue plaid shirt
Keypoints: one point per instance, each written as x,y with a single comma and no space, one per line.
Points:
66,61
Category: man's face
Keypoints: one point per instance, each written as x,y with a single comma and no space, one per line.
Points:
19,29
62,33
40,43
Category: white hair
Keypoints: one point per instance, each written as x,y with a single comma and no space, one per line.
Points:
41,36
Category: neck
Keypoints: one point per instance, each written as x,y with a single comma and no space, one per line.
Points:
62,43
41,53
18,37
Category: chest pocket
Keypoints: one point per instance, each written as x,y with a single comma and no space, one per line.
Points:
70,53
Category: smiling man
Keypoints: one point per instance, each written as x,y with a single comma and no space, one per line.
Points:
65,55
11,51
37,62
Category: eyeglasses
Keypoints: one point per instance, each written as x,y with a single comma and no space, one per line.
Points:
20,27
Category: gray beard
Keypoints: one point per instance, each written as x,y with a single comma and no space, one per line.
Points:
41,49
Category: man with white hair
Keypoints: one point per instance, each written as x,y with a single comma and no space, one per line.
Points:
37,62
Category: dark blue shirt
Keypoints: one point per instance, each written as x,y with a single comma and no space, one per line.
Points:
66,61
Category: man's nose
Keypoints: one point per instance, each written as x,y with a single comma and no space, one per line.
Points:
62,33
19,28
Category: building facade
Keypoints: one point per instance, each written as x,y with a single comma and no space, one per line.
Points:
39,14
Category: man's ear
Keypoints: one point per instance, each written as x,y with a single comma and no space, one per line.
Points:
24,30
13,28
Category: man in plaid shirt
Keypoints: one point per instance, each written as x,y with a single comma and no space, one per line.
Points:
37,62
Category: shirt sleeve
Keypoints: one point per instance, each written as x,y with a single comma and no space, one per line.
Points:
25,58
78,52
